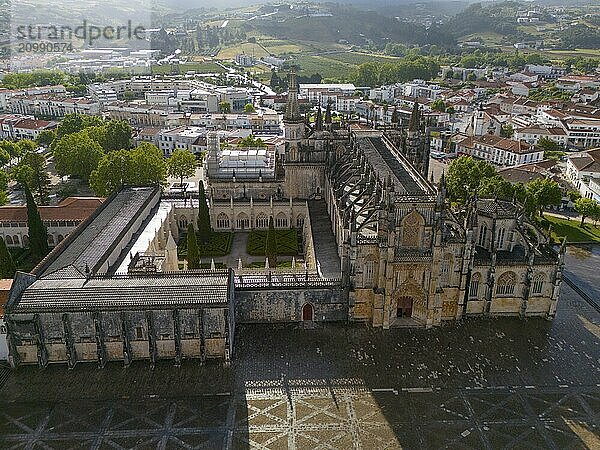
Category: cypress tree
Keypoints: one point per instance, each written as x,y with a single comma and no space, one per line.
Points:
7,265
193,255
204,228
271,245
38,234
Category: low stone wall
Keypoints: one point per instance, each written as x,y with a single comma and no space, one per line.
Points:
285,305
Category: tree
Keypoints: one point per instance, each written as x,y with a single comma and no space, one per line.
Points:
38,234
3,187
7,265
204,227
271,245
142,166
544,192
251,141
11,148
74,123
182,164
148,166
507,131
225,107
249,108
193,254
465,175
552,149
118,135
77,154
497,187
31,172
45,138
587,208
438,105
114,170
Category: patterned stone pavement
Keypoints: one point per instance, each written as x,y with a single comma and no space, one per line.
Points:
490,384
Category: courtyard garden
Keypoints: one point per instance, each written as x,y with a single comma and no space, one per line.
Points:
287,242
218,245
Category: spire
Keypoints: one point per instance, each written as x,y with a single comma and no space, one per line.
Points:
292,110
319,119
413,125
328,114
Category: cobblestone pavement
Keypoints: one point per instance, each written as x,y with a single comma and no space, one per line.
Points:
503,383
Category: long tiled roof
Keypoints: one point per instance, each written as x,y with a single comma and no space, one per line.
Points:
163,291
92,241
382,159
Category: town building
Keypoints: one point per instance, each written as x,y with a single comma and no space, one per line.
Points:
583,170
60,220
500,151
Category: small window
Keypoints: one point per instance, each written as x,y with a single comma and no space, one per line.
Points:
538,284
139,333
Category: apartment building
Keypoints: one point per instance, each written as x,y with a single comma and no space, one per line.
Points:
500,151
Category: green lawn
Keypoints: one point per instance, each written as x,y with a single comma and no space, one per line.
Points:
218,245
287,242
571,230
280,264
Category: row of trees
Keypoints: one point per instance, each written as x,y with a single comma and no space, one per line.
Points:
377,74
467,176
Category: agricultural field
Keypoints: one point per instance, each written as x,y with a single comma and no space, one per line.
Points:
328,68
248,48
198,67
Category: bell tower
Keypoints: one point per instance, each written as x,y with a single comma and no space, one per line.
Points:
293,123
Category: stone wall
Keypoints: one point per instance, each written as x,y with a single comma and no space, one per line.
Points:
259,306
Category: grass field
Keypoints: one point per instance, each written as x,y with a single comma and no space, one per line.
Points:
571,230
327,67
585,52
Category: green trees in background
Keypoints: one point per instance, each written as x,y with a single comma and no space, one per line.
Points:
182,164
464,178
77,154
7,265
38,234
467,176
31,172
143,165
376,74
271,245
193,254
544,192
45,138
587,208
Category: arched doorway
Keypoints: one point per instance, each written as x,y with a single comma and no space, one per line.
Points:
404,306
308,312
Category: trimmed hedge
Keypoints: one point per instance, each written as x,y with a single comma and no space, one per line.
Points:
218,245
287,242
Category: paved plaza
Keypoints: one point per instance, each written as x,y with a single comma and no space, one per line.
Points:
496,383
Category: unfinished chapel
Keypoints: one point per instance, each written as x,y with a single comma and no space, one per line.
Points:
380,243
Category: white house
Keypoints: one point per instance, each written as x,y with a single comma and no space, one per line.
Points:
583,170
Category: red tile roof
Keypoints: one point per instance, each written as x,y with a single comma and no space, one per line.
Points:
71,208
